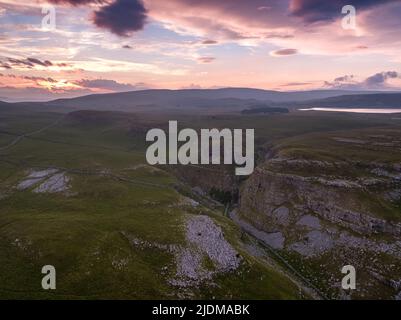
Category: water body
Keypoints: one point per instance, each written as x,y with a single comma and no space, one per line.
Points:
354,110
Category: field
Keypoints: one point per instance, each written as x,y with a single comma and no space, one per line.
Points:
119,228
83,234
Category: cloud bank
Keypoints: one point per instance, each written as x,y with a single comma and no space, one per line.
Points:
378,81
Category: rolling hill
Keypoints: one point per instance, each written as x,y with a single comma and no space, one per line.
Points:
374,100
199,98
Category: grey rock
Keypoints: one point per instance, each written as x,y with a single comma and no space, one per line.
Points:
281,214
310,221
56,183
34,178
316,242
208,237
274,239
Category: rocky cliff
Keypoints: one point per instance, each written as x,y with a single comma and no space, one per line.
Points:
320,217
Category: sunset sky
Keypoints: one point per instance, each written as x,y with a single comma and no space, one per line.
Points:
121,45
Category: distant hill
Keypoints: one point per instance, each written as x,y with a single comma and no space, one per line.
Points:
376,100
197,98
257,110
213,100
27,107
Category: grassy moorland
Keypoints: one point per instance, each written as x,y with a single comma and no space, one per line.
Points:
83,233
113,197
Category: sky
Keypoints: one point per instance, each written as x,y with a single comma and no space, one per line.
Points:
53,49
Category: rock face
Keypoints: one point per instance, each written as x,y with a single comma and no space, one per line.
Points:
205,242
34,178
46,181
268,191
208,237
56,183
329,221
208,177
315,243
272,239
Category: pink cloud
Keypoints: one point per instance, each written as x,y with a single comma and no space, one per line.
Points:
284,52
206,59
283,24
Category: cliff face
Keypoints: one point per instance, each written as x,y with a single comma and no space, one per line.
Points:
219,182
322,202
322,221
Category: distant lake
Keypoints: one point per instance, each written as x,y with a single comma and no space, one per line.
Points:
355,110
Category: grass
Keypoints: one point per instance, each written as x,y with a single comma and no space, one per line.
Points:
81,234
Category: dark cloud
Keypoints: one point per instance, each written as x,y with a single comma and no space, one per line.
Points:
45,63
63,64
376,81
108,85
344,82
77,2
295,84
318,10
4,65
127,46
344,78
20,62
29,63
209,42
379,79
206,59
30,78
278,36
122,17
192,86
284,52
37,79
